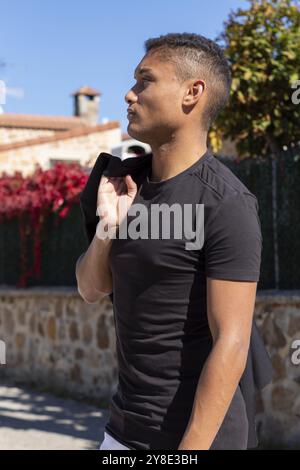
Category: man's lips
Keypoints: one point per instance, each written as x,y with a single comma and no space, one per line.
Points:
131,114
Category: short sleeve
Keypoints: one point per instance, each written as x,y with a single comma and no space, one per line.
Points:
233,239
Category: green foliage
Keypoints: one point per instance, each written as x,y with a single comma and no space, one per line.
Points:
262,44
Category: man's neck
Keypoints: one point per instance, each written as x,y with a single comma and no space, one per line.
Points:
172,158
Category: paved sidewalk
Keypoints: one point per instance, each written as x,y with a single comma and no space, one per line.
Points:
31,420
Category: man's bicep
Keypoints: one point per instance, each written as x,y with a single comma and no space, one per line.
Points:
230,308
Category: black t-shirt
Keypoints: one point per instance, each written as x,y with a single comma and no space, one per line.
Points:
159,301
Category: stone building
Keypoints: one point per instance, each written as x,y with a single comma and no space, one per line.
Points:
30,140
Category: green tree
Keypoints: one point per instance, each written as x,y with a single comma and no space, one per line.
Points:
262,44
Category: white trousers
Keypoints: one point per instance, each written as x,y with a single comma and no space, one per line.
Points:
110,443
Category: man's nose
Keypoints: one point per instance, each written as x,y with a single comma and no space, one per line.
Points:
130,97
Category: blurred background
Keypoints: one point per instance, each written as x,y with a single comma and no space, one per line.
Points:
65,68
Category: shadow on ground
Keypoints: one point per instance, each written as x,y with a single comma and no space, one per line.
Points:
30,419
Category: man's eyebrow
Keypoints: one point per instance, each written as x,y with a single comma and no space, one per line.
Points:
142,70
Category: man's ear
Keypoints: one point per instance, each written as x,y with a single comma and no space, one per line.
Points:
194,92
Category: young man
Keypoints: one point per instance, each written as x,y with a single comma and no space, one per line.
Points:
183,317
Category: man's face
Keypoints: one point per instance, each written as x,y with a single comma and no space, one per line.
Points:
156,100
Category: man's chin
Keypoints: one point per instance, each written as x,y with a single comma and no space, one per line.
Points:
135,134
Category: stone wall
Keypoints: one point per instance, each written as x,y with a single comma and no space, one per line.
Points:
9,135
278,316
55,339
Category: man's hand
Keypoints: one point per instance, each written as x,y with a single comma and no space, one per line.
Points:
115,197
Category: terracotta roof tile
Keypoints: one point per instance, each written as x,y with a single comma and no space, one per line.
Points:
33,121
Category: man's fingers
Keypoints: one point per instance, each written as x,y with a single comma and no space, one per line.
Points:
131,185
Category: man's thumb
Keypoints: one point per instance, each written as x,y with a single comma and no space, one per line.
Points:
131,186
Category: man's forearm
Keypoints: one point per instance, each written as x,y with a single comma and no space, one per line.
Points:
218,381
93,272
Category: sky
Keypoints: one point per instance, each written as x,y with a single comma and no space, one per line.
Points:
52,48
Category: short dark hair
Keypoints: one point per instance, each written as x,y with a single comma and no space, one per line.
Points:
191,54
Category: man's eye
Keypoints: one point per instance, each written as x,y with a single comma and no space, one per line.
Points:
144,79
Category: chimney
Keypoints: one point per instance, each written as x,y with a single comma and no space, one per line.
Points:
86,104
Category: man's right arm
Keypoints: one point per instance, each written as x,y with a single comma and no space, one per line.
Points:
93,274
